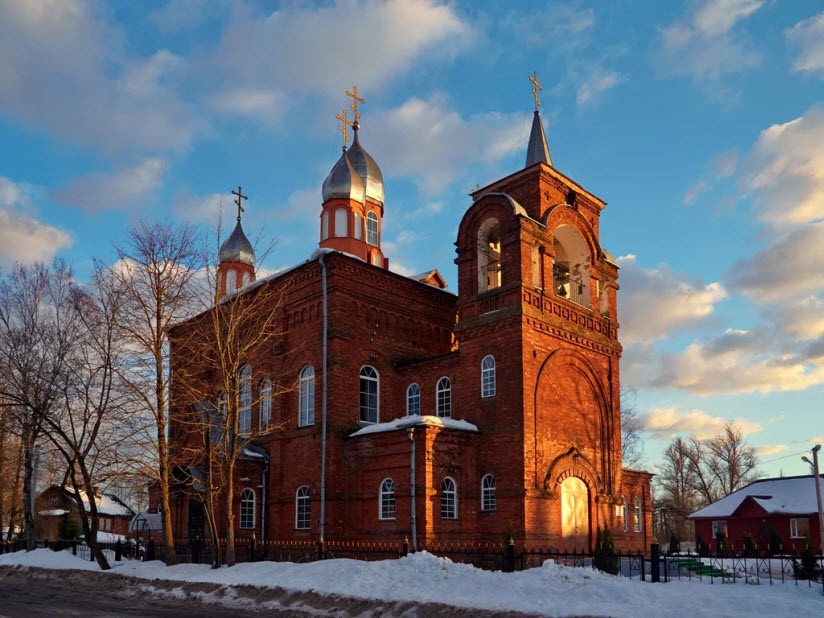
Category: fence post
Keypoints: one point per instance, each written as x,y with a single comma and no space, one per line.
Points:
74,548
405,547
118,551
509,556
655,566
150,551
319,549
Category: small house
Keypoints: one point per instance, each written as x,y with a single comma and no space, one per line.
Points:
57,516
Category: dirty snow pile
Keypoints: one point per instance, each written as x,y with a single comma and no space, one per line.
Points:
552,590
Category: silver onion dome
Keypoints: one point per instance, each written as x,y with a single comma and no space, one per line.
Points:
367,168
343,181
237,248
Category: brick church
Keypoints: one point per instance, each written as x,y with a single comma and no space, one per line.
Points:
417,412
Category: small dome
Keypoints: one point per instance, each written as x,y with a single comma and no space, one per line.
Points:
237,248
367,168
343,181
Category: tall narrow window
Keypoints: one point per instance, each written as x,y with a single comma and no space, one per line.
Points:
625,512
368,395
244,423
444,398
340,222
358,226
324,225
387,499
489,256
306,413
537,274
638,518
488,376
413,400
303,508
247,509
231,281
449,499
372,229
488,502
265,404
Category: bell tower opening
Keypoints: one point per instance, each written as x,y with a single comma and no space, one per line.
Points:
489,256
571,271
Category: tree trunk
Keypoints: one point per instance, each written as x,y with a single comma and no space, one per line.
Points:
163,480
230,528
28,499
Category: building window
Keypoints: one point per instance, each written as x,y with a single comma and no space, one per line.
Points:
54,500
444,398
265,404
489,256
719,526
324,225
449,499
303,508
488,493
306,412
247,509
488,376
368,395
372,229
625,512
231,281
358,226
413,400
638,514
387,499
537,275
340,222
247,278
222,406
799,527
244,423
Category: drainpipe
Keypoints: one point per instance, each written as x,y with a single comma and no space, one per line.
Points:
413,519
264,504
323,403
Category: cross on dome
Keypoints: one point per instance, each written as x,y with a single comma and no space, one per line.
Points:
238,201
355,100
342,127
534,79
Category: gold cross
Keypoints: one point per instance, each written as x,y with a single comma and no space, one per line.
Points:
355,99
238,201
534,79
344,123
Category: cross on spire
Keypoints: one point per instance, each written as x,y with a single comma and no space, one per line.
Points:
534,79
355,100
239,201
342,127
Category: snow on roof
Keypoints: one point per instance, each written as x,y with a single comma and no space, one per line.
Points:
790,495
52,512
146,521
254,454
107,505
416,421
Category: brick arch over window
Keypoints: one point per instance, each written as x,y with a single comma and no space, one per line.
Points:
571,463
564,215
582,389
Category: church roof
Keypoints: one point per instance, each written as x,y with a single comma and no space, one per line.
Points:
789,495
537,149
369,171
237,248
343,181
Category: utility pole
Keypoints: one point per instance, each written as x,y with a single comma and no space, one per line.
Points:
814,463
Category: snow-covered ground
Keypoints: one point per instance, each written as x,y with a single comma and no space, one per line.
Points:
552,590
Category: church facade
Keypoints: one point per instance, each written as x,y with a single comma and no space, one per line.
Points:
419,413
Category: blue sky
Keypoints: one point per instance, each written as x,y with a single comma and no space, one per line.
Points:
701,123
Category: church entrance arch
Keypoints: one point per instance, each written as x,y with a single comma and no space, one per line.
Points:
575,514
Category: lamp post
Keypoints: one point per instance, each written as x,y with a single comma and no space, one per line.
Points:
814,464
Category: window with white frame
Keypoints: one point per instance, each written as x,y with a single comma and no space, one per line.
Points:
231,281
340,222
413,400
306,411
244,423
358,226
719,526
488,376
625,512
488,502
449,499
372,229
443,394
247,508
799,527
265,404
303,508
369,395
386,509
638,518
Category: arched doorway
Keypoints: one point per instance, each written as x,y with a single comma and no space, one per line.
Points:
574,514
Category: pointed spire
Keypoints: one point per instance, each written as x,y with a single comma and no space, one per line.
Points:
537,149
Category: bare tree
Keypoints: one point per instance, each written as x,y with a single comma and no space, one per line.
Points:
730,460
632,444
676,493
157,267
11,475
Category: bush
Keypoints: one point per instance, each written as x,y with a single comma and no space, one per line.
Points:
721,544
807,567
674,543
701,546
774,544
604,558
749,545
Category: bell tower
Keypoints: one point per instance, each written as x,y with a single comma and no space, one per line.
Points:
236,258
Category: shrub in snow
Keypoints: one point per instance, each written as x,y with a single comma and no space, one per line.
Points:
674,543
604,558
807,567
749,545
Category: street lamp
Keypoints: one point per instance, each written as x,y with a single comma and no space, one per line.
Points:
814,464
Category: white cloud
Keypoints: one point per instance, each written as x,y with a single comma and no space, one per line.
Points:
669,422
102,191
598,84
22,237
723,166
266,104
201,208
182,15
808,36
771,449
702,45
803,319
656,302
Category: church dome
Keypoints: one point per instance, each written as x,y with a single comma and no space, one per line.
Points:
237,248
343,181
367,168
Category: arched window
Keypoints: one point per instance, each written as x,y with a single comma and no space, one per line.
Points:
244,423
306,411
303,508
340,222
444,398
231,281
488,493
247,278
372,229
265,403
571,271
324,225
369,395
222,408
413,400
537,270
376,258
624,512
247,509
358,226
386,507
449,499
488,376
489,256
637,517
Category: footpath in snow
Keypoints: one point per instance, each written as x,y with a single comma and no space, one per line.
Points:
422,578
